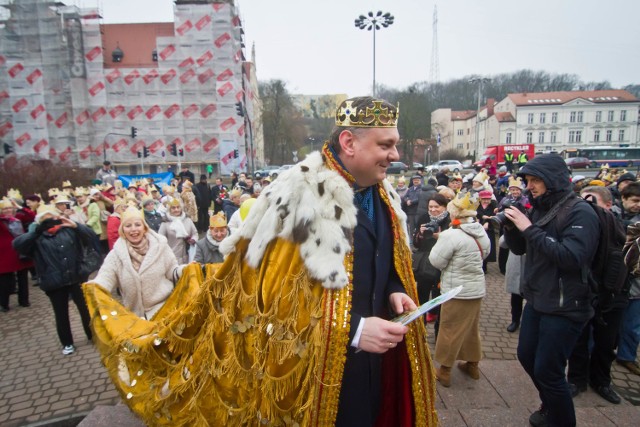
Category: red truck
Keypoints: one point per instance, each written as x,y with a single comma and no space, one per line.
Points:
496,154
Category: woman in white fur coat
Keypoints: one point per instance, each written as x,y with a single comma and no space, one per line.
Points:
179,230
459,253
141,266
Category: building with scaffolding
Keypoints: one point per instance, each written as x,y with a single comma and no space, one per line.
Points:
77,91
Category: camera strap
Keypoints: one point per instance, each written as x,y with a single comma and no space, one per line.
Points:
553,212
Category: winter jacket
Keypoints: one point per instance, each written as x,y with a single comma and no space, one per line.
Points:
9,260
412,194
113,225
228,207
91,216
458,256
426,193
207,253
554,277
153,219
179,246
143,291
57,256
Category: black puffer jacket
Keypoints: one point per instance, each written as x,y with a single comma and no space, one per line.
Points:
554,280
57,256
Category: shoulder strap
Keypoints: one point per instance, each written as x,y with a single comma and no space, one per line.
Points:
569,200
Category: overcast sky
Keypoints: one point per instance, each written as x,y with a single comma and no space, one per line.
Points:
315,48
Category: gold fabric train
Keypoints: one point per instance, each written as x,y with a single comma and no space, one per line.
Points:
245,346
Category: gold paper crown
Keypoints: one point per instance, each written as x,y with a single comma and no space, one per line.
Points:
217,220
515,182
66,184
168,189
14,194
60,198
174,202
605,166
131,213
481,177
376,116
81,191
607,177
467,200
146,199
119,201
45,209
456,176
117,183
53,192
5,203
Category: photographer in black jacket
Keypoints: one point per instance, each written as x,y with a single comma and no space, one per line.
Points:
55,247
554,285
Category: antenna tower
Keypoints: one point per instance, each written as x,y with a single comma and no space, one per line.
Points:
434,72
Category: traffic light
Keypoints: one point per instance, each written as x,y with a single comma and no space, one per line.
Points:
236,153
7,149
181,152
239,109
134,132
139,155
145,152
173,149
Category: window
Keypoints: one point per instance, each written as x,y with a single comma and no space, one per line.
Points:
543,117
554,117
598,116
580,115
621,135
554,136
578,136
572,136
572,117
530,118
610,116
460,132
541,137
460,146
596,136
609,135
508,138
529,137
623,116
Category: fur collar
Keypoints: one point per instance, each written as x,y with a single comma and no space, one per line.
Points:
312,206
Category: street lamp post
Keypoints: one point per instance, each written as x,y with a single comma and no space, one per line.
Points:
374,22
479,81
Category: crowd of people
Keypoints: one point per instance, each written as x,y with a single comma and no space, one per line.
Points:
316,265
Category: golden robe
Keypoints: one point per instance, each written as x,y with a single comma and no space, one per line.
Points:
261,340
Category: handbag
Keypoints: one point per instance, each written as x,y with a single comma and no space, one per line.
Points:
423,271
90,258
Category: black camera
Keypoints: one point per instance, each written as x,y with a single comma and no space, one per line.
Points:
501,219
432,227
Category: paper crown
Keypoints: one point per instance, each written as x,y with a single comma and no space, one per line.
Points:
5,203
367,116
119,201
605,166
467,200
174,202
147,199
14,194
402,179
168,189
597,183
60,198
607,177
481,177
44,210
81,191
66,184
516,182
53,192
217,220
117,183
456,176
132,213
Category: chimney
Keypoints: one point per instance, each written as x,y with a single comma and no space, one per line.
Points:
490,103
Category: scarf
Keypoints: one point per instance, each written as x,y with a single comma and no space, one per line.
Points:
177,226
362,197
440,217
137,252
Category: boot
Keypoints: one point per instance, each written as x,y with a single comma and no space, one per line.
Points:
471,369
443,374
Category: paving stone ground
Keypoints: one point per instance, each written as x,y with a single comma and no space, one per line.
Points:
40,386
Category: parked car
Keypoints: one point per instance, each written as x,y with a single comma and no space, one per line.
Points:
281,169
397,167
453,165
578,163
417,166
266,171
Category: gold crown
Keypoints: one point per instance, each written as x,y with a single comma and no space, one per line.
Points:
516,182
605,166
467,200
607,177
168,189
481,177
174,202
456,176
53,192
81,191
376,116
14,194
217,220
5,203
66,184
119,201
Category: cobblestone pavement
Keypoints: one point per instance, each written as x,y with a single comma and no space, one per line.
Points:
38,383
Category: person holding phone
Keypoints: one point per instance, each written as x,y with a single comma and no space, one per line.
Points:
55,247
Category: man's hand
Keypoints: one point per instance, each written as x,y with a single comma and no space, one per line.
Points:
520,220
400,302
66,222
379,335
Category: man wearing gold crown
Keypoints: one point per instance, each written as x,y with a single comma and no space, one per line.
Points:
294,327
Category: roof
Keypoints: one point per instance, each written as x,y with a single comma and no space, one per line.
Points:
504,117
462,115
137,41
555,98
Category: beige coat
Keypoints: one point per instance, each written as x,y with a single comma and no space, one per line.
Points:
143,291
179,245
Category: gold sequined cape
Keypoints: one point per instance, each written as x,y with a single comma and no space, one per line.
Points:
247,346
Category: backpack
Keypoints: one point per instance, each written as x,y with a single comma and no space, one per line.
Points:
607,272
